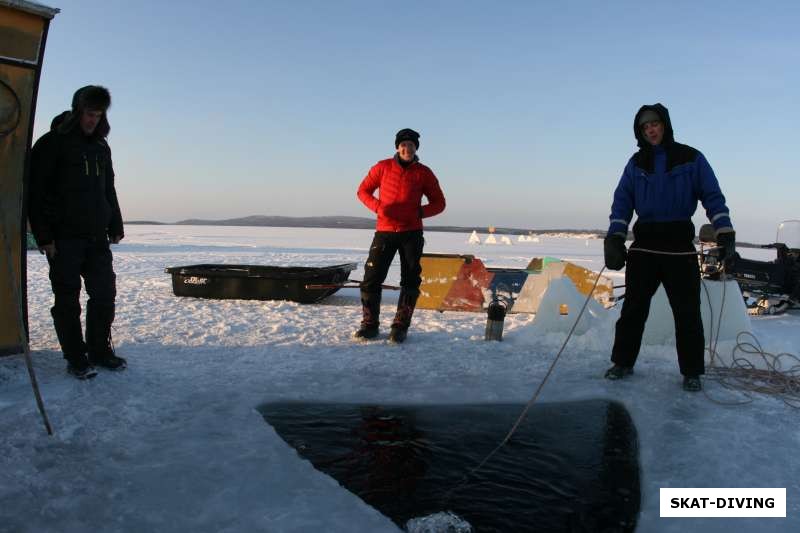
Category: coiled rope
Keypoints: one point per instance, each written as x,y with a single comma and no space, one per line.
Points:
780,376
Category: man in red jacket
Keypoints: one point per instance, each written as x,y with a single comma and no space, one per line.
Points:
401,182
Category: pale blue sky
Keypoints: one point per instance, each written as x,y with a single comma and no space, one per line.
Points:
224,109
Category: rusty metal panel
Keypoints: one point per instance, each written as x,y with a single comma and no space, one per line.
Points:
16,92
20,35
23,33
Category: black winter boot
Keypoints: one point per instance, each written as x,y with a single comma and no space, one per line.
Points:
371,309
108,359
78,366
402,318
692,383
618,372
98,336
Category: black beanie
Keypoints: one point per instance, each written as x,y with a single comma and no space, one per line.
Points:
649,115
406,134
91,97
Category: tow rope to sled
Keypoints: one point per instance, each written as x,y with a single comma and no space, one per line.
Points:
552,366
24,337
535,394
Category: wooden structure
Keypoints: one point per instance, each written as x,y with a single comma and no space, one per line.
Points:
464,283
23,33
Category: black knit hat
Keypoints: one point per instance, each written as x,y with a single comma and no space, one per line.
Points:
648,115
663,115
93,97
406,134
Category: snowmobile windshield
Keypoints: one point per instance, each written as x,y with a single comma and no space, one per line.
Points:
789,234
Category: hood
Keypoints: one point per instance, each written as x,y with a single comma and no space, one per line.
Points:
69,120
661,111
58,120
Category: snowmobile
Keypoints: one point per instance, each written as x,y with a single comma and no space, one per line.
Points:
768,287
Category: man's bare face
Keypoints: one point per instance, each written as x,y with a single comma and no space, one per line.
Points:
654,132
407,149
89,120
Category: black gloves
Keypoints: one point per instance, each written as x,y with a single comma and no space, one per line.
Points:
727,241
614,251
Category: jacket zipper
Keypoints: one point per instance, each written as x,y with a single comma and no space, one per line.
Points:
86,163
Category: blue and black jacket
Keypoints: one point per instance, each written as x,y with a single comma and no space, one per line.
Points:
663,183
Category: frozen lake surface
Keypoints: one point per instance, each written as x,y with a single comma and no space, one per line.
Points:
175,443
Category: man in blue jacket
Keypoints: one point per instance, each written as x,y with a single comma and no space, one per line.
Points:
662,183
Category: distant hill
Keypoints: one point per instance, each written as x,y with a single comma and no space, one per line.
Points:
358,223
369,223
287,222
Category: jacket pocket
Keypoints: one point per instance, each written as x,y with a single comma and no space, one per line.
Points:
76,175
682,200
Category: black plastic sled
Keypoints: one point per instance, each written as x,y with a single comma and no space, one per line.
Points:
258,282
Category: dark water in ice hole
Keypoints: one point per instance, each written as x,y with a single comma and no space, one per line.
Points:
570,467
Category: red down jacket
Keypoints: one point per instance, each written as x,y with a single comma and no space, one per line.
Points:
400,191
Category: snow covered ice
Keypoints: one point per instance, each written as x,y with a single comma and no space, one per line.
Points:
175,442
443,522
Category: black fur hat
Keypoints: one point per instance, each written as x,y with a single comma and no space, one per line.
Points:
93,97
406,134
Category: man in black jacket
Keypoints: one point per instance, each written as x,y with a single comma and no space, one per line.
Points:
74,215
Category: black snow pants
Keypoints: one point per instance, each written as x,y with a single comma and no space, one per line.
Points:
680,275
92,260
381,253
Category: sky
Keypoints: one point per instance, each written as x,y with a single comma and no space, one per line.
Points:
525,109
